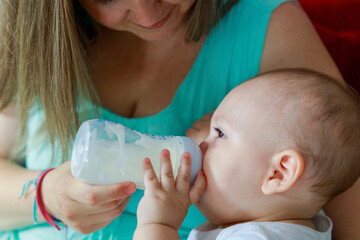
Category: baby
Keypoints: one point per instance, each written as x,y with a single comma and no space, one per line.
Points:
281,145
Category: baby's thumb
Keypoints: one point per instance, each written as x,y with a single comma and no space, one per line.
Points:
198,188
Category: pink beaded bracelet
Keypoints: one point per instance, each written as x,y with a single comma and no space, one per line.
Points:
40,202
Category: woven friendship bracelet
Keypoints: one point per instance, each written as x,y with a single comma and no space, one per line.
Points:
25,187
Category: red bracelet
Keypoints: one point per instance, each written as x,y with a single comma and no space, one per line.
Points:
40,202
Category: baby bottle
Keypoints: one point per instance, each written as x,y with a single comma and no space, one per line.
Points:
105,152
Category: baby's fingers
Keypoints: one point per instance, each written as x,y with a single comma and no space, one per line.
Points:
198,188
184,173
166,172
150,179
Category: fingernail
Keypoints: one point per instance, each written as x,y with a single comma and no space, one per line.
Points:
187,155
130,188
166,152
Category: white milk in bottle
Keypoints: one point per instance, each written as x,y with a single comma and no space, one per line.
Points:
105,152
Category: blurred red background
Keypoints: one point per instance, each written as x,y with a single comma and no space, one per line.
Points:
338,24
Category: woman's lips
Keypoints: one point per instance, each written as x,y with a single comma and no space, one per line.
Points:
158,24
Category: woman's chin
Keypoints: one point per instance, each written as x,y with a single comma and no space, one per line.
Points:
155,36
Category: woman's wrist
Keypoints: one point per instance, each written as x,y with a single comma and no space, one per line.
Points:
45,212
48,193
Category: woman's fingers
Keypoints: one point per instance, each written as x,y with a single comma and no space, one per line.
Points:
198,188
84,207
117,191
150,179
109,206
166,172
184,173
108,215
100,194
90,228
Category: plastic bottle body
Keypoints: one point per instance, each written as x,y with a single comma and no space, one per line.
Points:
105,152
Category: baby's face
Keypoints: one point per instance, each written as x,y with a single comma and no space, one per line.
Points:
235,157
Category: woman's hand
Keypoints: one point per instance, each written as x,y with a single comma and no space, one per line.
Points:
200,129
84,207
166,202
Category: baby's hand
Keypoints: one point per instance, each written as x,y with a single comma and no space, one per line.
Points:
167,202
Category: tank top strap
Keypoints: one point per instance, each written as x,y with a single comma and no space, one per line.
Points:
266,6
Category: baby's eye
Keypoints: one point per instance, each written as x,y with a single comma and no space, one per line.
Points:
220,134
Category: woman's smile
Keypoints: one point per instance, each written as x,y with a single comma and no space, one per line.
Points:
158,24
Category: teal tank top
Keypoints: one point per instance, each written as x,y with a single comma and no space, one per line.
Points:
230,55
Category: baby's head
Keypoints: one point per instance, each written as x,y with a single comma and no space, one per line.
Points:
280,146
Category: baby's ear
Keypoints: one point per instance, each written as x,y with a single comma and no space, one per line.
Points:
284,170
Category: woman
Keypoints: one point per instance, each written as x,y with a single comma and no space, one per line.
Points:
155,66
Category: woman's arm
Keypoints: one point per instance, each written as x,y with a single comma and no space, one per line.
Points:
292,42
14,212
84,207
344,210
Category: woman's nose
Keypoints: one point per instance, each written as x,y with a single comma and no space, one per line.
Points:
203,147
146,12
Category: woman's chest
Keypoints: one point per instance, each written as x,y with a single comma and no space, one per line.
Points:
138,93
134,87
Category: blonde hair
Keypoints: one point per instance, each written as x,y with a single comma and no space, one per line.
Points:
321,120
43,49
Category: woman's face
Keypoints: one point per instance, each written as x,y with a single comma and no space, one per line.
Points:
148,19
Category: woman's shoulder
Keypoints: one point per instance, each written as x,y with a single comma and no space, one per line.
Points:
290,33
267,6
236,43
246,17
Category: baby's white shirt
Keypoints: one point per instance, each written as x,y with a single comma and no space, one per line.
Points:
267,231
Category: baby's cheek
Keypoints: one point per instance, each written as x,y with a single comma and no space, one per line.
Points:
206,205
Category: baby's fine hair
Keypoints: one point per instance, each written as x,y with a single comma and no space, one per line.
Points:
324,127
